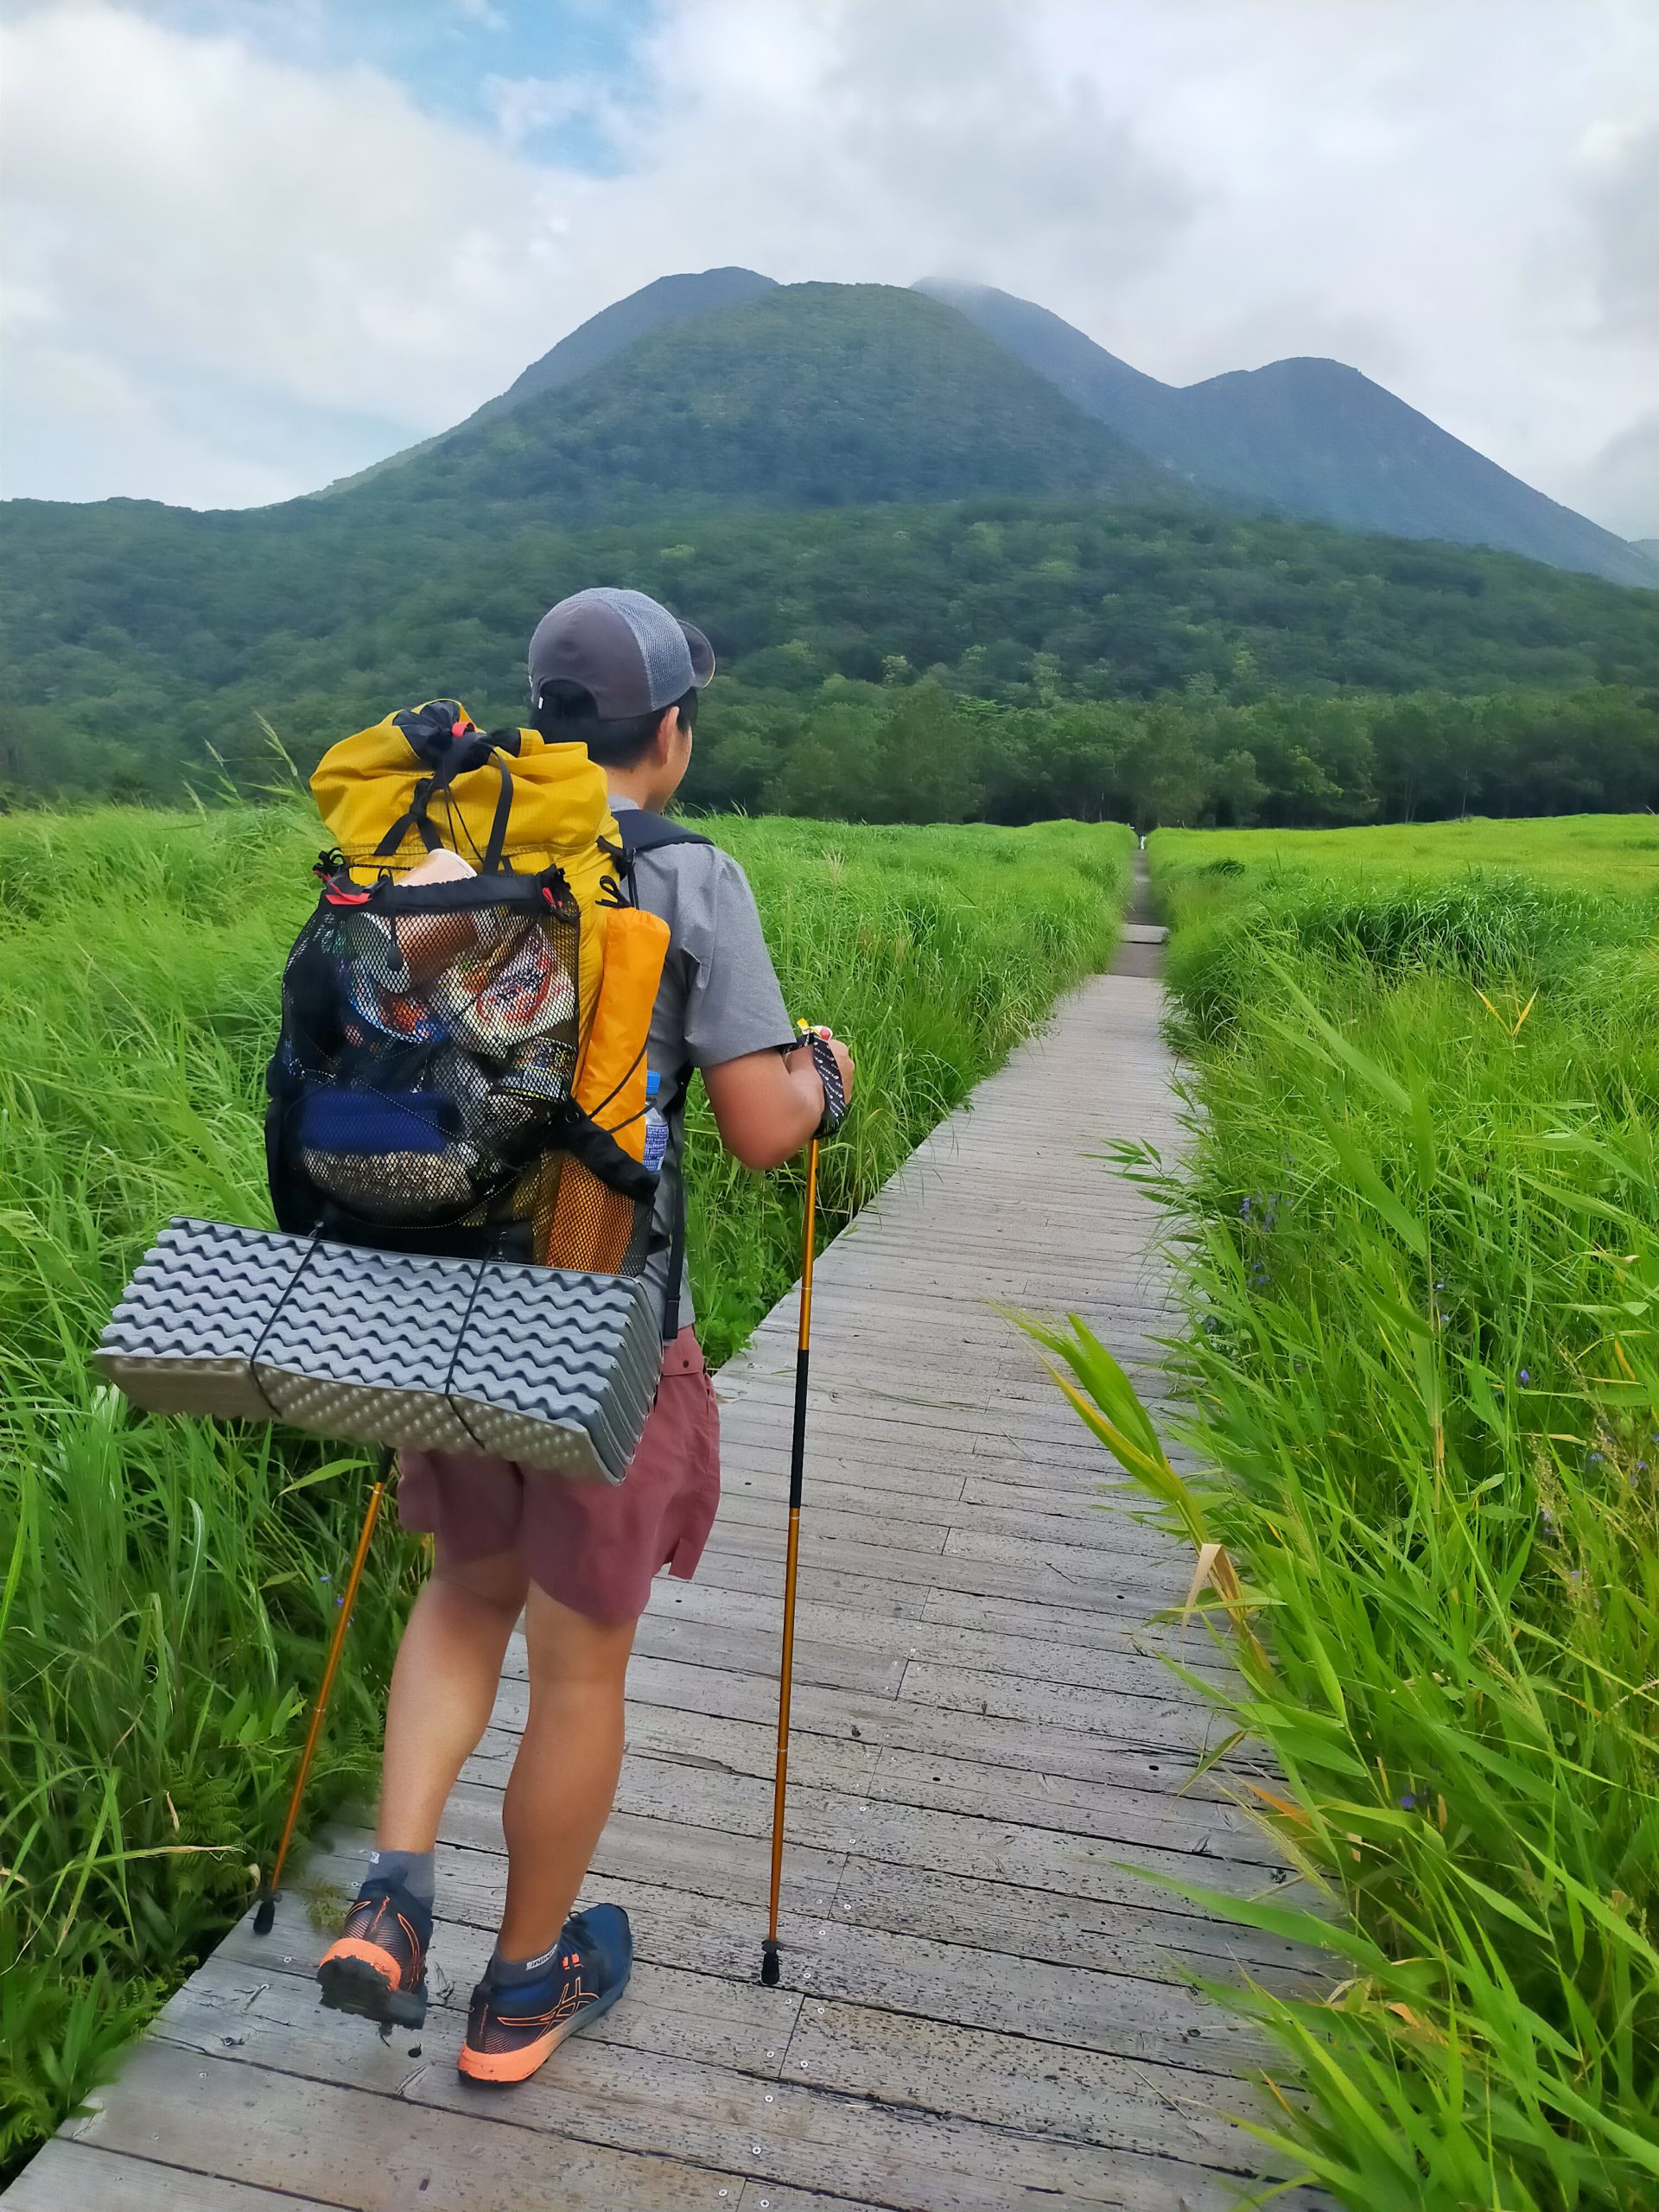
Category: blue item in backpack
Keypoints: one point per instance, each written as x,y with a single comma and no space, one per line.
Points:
334,1120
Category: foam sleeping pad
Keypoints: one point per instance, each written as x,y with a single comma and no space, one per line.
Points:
550,1368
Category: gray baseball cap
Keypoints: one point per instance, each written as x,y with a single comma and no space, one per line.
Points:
634,656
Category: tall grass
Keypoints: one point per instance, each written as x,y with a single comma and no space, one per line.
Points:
1420,1238
166,1587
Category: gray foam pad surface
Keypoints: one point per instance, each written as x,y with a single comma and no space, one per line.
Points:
554,1369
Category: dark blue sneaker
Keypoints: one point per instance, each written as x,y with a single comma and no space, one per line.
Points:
511,2031
377,1964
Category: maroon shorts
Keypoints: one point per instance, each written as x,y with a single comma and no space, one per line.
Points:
593,1546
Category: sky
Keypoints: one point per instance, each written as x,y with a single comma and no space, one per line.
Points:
252,245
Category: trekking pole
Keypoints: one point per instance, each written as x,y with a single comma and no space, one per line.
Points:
265,1912
769,1967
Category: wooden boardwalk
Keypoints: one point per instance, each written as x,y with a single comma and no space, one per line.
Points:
980,2008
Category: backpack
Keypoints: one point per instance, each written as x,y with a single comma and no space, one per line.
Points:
461,1067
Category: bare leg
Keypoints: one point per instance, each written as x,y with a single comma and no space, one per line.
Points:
442,1691
564,1776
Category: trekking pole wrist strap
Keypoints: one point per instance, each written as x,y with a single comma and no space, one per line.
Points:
828,1073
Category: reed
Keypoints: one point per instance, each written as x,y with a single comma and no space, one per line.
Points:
1418,1231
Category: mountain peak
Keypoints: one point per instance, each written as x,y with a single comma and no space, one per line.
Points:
1314,436
604,335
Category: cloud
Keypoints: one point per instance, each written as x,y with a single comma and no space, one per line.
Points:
288,262
1621,204
191,212
1620,485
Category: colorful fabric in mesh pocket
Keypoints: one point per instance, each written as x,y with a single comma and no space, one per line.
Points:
428,1054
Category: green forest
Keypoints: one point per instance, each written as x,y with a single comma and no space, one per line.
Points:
1011,659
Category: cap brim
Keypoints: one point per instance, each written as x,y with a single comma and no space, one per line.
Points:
702,654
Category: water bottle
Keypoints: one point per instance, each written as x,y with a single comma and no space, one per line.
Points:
656,1127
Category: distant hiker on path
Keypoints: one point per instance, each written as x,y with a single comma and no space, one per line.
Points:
615,672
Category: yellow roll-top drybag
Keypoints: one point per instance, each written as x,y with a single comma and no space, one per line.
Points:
426,778
461,1064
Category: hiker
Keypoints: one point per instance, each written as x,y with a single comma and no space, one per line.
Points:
616,672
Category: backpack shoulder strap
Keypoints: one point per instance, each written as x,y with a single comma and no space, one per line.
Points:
643,832
639,831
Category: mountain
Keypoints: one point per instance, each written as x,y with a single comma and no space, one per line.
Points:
987,531
1312,437
804,395
601,339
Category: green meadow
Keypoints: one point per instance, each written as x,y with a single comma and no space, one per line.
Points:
1594,852
166,1586
1417,1229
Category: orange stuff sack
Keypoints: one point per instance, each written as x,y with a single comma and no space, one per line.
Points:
590,1228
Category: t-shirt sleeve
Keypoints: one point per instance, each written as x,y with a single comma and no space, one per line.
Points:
733,1005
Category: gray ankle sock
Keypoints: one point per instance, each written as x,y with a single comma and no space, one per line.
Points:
507,1972
412,1868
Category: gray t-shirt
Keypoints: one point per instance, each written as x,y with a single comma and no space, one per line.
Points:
719,999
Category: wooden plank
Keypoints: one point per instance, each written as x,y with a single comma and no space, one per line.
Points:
1149,1708
703,1861
936,1281
754,1650
1072,1653
882,1531
1136,1591
1007,2082
1079,1480
375,2151
1130,1806
1079,1518
1129,1736
778,2197
1180,1839
879,1597
598,2102
864,1406
69,2176
748,1464
1150,1951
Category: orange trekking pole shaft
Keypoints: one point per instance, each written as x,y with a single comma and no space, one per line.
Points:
265,1913
769,1967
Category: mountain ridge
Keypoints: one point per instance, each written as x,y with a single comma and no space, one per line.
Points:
1312,436
1304,436
803,395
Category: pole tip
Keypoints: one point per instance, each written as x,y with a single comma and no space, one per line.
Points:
264,1915
770,1968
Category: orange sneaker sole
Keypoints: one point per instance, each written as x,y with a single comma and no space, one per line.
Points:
360,1977
503,2067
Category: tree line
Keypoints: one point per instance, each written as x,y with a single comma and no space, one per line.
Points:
1017,658
916,751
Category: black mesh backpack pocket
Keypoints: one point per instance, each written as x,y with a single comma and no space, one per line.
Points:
420,1090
